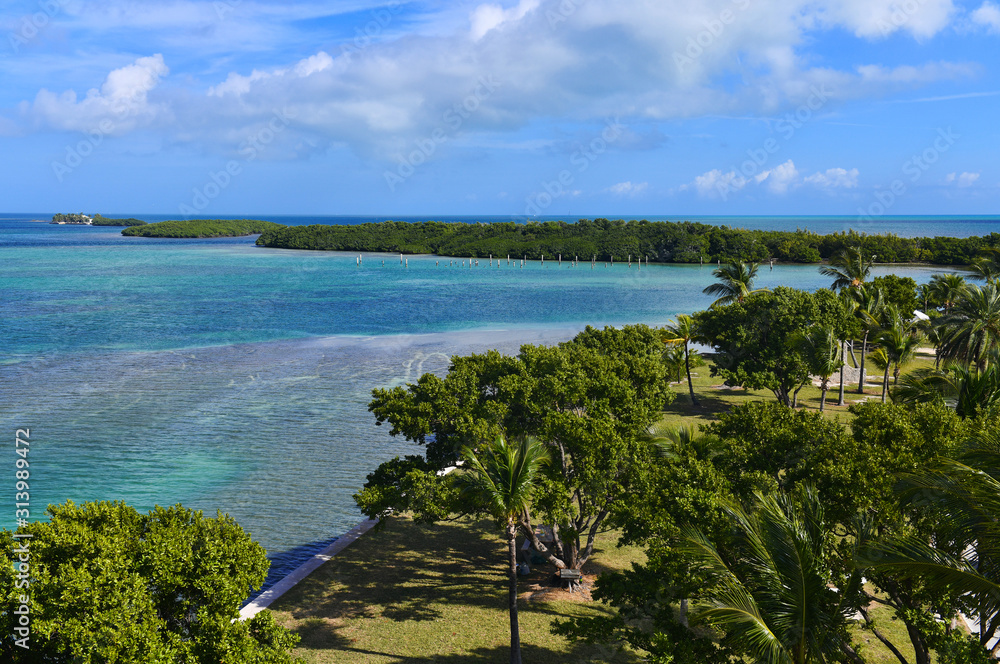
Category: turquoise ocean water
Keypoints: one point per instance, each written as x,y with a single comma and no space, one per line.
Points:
231,377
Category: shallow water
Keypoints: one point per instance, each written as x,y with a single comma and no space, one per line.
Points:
230,377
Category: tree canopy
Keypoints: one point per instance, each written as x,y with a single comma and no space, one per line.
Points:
616,239
589,401
754,343
111,585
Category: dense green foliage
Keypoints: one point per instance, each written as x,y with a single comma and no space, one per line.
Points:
589,401
100,220
663,242
898,291
111,585
203,228
749,528
755,339
72,218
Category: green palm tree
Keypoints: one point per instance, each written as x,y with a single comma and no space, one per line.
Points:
869,311
966,491
683,332
849,268
899,340
821,348
946,289
971,328
966,389
735,283
986,266
926,297
672,443
773,598
502,478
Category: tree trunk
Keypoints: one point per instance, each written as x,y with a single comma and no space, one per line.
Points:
885,381
515,632
843,366
687,365
861,377
822,398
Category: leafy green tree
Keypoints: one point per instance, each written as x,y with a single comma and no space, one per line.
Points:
683,332
109,584
767,449
735,283
502,476
849,268
589,401
752,338
900,292
821,348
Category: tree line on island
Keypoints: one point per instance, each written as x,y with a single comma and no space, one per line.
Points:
202,228
606,240
773,534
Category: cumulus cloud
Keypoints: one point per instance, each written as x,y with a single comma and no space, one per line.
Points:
988,16
961,179
489,17
121,101
779,178
628,188
509,65
875,19
834,178
716,183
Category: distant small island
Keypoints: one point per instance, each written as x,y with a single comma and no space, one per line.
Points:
80,219
202,228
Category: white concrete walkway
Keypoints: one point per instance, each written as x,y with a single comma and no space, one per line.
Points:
265,599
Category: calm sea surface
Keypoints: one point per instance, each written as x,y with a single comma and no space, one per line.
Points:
230,377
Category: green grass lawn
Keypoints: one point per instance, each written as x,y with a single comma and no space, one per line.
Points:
416,593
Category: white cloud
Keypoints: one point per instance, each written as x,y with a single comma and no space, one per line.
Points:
874,19
961,179
834,178
238,85
582,61
779,178
988,15
717,183
121,101
489,17
628,188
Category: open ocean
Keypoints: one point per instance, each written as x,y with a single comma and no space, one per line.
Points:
230,377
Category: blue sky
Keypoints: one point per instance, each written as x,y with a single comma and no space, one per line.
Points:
555,107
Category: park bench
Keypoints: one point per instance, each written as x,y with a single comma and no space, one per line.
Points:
570,577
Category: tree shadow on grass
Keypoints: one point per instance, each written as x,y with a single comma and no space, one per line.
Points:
321,635
711,402
402,572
